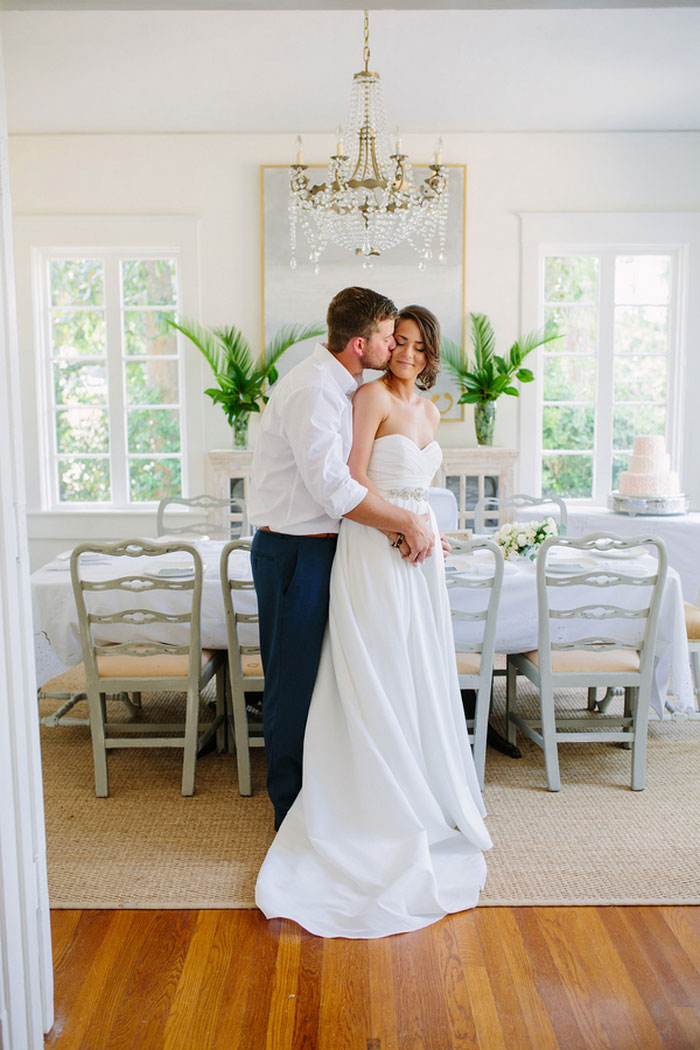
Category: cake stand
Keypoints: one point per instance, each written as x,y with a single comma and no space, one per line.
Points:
656,505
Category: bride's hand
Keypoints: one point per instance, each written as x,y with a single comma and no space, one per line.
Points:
419,539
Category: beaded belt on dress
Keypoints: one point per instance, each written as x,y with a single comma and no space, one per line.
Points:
417,494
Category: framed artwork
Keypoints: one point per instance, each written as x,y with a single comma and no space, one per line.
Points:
300,295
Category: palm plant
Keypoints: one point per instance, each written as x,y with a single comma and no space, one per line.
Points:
241,378
489,375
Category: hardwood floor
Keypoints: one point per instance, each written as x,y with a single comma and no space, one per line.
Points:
512,978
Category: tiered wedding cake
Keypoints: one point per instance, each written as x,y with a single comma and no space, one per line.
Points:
649,472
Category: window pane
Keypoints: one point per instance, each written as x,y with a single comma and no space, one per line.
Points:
567,476
636,419
149,282
571,278
564,426
569,378
641,329
153,430
152,382
578,327
77,282
82,430
146,332
639,378
83,480
151,479
642,279
77,333
78,384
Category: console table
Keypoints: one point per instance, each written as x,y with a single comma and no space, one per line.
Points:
473,473
469,473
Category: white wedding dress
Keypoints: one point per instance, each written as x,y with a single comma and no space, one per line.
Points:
387,833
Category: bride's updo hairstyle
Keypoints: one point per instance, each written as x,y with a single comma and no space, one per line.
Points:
429,328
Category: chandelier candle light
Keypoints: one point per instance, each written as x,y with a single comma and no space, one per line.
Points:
369,201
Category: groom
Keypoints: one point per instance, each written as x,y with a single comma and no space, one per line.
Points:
300,488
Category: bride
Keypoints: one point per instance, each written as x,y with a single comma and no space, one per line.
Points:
387,833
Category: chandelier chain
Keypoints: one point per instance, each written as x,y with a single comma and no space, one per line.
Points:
369,202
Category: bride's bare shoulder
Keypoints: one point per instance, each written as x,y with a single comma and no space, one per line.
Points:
431,410
374,392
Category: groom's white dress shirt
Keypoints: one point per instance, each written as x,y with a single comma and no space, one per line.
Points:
300,483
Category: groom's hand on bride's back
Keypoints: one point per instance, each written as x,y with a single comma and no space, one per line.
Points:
419,539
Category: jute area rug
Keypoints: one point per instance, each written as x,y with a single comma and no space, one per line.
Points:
595,842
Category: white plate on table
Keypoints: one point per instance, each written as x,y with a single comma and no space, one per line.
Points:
471,565
571,565
86,558
171,572
624,552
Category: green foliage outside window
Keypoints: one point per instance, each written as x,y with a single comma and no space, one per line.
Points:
571,279
76,282
80,384
84,480
149,282
151,479
637,369
570,476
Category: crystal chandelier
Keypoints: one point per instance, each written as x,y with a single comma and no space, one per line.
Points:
369,201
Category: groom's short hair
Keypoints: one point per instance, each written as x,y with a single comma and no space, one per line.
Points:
356,312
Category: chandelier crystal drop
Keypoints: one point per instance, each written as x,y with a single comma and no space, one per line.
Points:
370,201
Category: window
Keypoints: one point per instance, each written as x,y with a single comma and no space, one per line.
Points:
113,376
606,379
614,286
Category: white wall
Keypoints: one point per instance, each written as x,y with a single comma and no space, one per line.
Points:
215,178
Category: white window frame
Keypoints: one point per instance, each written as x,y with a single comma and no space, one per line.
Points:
40,238
547,234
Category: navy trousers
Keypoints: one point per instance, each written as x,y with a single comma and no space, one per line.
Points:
292,579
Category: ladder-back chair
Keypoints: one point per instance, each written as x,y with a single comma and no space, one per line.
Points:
153,610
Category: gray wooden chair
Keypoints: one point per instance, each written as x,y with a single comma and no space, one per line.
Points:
492,511
71,687
475,658
214,517
129,604
245,670
598,657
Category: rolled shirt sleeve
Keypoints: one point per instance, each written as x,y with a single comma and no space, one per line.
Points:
315,430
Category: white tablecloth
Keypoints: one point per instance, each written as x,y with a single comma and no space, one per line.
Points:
55,617
680,533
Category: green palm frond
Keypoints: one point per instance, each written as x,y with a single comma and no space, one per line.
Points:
203,339
489,375
239,356
483,339
240,376
288,336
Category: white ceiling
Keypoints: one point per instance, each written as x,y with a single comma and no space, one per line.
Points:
290,70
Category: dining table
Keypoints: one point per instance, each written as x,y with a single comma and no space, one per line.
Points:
56,621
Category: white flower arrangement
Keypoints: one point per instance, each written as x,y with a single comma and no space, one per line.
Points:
521,539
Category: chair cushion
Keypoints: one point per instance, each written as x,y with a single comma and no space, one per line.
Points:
575,661
692,622
252,666
160,665
468,663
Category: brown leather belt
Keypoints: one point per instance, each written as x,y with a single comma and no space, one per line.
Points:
303,535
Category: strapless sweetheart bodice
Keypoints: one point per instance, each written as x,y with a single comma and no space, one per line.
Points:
398,468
